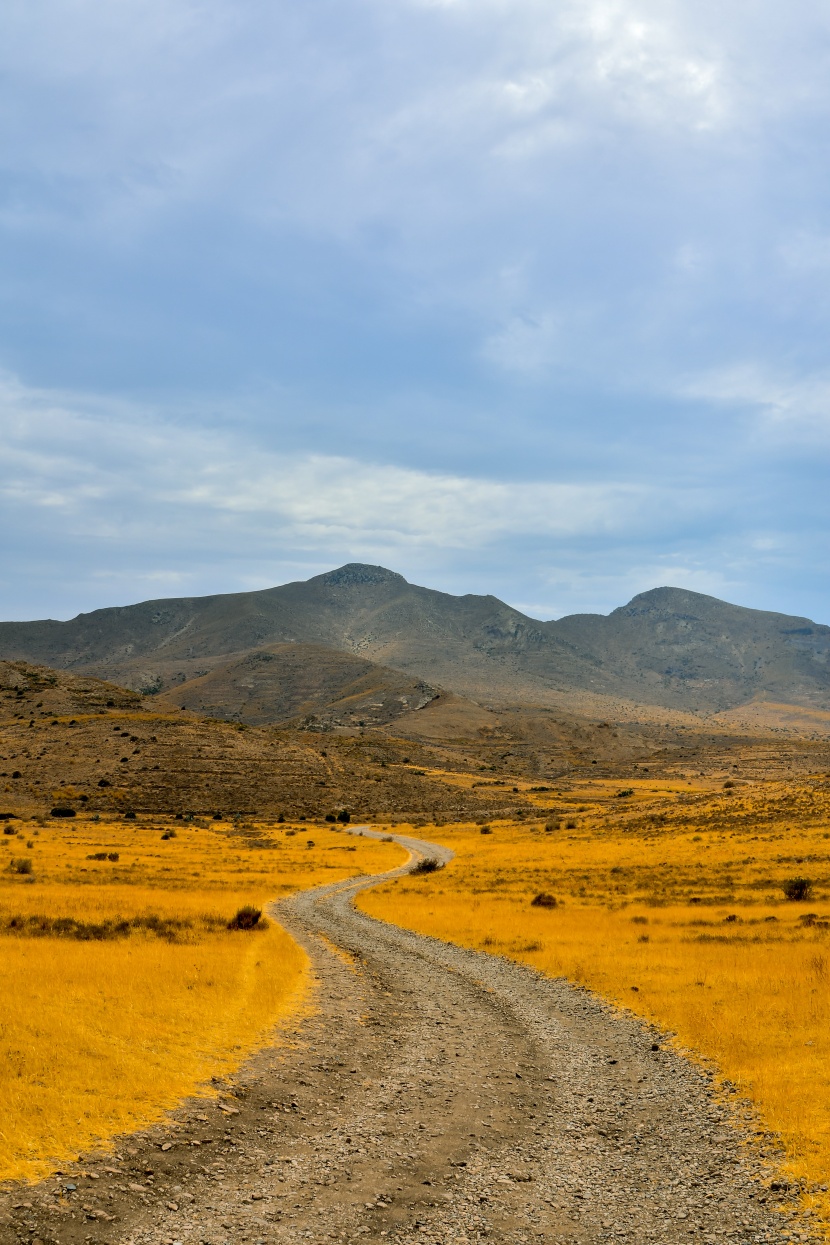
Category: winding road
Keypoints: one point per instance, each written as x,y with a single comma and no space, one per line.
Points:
434,1094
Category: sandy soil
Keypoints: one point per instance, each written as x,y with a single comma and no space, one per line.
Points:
431,1094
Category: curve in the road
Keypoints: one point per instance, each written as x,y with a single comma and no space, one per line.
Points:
434,1095
514,1106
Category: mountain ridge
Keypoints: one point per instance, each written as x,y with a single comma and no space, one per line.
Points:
667,647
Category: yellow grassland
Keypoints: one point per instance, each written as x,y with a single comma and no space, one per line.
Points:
670,904
102,1036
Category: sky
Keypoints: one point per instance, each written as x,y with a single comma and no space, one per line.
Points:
510,296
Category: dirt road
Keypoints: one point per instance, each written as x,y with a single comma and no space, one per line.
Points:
434,1095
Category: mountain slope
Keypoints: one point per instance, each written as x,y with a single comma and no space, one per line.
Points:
94,747
668,647
282,682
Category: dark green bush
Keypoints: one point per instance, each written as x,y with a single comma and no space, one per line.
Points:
428,865
247,917
797,889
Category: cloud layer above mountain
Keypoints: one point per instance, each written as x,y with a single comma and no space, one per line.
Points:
520,297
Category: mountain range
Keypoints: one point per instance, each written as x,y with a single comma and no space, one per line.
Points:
362,644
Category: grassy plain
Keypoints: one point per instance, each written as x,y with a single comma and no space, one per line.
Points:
668,900
123,988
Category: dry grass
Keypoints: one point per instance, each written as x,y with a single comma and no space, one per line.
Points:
105,1034
671,904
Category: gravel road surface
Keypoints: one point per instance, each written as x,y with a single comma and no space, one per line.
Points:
430,1094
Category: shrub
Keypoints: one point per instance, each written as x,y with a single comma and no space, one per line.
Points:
9,830
330,817
113,856
247,917
60,811
544,900
428,865
570,825
344,815
485,830
550,826
797,889
21,864
626,791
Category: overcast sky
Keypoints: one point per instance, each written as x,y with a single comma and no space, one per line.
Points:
510,296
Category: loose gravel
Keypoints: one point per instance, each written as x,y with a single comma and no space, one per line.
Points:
435,1095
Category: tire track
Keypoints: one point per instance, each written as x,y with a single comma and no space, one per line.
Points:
437,1095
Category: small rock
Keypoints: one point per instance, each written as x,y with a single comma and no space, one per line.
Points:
168,1145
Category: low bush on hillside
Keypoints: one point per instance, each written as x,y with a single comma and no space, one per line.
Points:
428,865
169,929
797,889
247,917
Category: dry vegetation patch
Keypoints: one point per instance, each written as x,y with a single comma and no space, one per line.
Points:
674,905
132,968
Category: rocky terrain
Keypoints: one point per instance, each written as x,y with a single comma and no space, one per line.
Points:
667,648
306,684
91,746
435,1095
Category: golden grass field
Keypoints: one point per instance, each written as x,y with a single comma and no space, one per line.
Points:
105,1030
669,902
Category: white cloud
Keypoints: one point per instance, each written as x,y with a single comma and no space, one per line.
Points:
787,404
125,474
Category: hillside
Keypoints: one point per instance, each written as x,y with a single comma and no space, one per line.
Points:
668,647
301,682
89,745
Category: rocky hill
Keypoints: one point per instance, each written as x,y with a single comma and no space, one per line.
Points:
78,742
667,647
